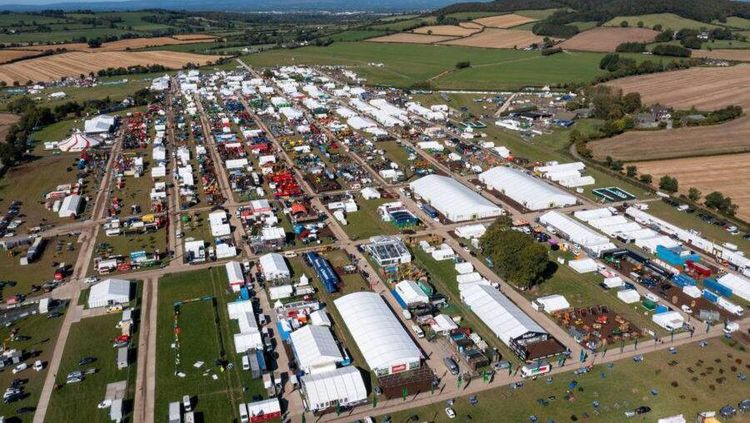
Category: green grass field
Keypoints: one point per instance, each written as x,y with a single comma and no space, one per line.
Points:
77,402
356,35
406,64
667,20
43,333
202,339
735,22
685,383
38,272
366,222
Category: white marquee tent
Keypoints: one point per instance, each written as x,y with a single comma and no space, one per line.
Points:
343,386
315,349
108,292
384,343
453,199
532,193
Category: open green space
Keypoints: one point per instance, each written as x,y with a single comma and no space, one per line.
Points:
43,336
58,250
78,401
694,379
206,334
356,35
407,64
57,131
25,183
366,222
736,22
116,88
666,20
583,290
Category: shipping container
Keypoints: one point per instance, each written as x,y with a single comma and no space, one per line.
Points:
714,285
682,280
710,296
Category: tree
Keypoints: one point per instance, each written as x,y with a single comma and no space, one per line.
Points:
718,201
640,24
646,178
631,171
515,255
694,194
624,24
94,43
631,102
668,184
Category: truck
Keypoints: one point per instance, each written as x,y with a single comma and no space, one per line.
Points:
730,327
535,370
175,414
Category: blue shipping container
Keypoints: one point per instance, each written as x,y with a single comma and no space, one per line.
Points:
261,359
710,296
661,308
398,298
682,280
716,286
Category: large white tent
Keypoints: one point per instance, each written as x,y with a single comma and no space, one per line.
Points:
273,267
343,386
669,320
109,292
77,142
577,232
381,338
740,286
498,312
315,350
530,192
451,198
249,336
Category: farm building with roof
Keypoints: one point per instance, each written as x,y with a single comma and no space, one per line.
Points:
381,338
451,198
524,189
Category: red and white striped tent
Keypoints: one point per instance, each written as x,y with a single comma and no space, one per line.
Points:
77,142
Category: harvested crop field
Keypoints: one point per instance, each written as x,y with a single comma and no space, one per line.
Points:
732,137
498,38
470,25
132,43
607,39
718,87
409,38
726,54
8,55
504,21
728,174
51,68
449,30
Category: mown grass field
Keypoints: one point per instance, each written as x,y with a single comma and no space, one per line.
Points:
77,402
204,339
685,383
38,272
43,333
405,65
666,20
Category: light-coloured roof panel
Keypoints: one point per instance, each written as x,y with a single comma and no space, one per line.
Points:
376,330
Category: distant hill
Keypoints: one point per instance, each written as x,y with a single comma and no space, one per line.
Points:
604,10
231,5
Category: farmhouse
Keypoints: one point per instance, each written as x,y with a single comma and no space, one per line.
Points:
108,292
451,198
525,189
384,343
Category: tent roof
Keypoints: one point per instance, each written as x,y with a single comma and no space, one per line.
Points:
377,332
498,312
343,385
452,198
525,189
109,288
314,345
77,142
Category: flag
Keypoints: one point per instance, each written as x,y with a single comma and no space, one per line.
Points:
404,393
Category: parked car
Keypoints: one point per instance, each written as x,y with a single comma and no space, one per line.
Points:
451,365
20,367
450,413
86,360
38,366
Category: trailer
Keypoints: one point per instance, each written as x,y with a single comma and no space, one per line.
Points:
122,358
175,415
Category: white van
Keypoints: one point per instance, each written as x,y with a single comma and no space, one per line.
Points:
418,331
244,418
245,362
